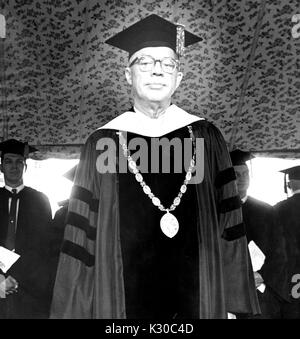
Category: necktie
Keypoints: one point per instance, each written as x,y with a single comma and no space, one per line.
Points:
11,229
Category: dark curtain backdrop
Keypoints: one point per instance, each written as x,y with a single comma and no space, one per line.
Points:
60,81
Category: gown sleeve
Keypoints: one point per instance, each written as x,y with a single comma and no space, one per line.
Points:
73,289
240,292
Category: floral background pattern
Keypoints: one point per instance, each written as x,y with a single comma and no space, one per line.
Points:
60,81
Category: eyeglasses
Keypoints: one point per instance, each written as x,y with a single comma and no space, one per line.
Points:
146,63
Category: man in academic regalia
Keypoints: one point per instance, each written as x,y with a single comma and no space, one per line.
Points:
144,240
25,216
288,212
263,228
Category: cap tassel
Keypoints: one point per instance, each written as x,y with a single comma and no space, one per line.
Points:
285,185
180,35
26,150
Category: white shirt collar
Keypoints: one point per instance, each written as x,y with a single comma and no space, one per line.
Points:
244,199
19,188
139,123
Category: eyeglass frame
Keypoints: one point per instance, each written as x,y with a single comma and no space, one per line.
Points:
137,59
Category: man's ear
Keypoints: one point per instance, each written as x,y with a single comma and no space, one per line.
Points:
179,77
128,75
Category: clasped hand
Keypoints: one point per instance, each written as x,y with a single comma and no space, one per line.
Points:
9,285
258,279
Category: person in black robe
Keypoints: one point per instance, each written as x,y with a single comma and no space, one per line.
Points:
263,228
288,213
25,216
144,239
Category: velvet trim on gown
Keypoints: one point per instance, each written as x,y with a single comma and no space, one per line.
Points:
160,273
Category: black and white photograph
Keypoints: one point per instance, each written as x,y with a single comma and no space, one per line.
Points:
150,162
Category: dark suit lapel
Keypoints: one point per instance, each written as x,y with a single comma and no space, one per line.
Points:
22,219
3,214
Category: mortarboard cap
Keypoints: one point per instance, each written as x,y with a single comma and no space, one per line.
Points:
292,172
71,173
239,157
16,147
153,31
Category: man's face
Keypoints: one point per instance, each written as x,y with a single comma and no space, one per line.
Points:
154,85
293,185
12,167
243,179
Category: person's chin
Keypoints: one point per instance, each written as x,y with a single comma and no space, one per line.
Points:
242,194
156,95
14,180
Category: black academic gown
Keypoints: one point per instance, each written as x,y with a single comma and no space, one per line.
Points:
102,235
263,228
32,243
288,212
58,228
58,225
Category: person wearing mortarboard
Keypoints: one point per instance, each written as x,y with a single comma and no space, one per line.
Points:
143,242
288,213
25,216
59,217
262,228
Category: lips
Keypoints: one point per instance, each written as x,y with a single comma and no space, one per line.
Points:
14,173
155,85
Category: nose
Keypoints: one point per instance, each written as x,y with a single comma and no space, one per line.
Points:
157,69
14,165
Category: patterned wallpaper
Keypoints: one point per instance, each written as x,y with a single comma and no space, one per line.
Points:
61,80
